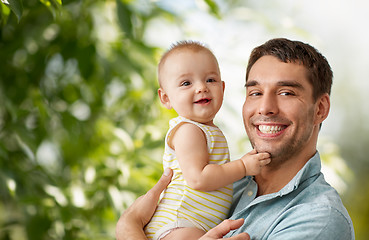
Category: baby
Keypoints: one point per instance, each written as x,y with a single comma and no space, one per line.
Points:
200,193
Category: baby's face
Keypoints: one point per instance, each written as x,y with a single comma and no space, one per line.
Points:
191,84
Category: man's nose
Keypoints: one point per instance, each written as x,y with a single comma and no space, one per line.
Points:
268,105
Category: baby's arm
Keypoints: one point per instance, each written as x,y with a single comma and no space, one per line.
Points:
189,143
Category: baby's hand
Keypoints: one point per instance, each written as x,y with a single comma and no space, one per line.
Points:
254,162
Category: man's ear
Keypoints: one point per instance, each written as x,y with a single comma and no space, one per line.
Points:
322,108
164,99
223,86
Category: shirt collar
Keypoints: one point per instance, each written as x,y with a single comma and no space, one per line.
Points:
310,169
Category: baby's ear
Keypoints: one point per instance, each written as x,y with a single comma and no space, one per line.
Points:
164,99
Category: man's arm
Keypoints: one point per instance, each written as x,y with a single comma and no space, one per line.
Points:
132,222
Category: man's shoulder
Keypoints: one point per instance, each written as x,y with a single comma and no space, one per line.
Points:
320,193
326,220
311,209
320,206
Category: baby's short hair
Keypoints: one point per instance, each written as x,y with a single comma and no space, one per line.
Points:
191,45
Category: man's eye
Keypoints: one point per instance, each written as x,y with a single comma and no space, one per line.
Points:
211,80
287,94
254,94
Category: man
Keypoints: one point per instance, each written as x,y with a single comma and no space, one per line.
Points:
288,84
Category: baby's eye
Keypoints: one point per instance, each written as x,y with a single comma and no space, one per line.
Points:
185,83
211,80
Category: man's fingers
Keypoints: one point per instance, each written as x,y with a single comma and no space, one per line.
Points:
232,224
141,211
241,236
163,182
225,227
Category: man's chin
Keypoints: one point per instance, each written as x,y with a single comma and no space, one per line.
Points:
263,150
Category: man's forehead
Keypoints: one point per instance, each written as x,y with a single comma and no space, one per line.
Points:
271,70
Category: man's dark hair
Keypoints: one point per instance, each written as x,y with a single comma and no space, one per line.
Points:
319,72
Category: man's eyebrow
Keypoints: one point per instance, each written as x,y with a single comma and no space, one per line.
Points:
282,83
251,83
290,83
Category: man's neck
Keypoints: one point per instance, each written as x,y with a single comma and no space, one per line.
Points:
273,179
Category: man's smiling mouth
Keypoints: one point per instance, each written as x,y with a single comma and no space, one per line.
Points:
270,129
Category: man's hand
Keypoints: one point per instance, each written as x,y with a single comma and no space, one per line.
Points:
130,225
225,227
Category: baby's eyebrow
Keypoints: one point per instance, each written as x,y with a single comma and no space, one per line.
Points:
212,73
184,75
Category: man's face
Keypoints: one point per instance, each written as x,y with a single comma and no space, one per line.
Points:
279,111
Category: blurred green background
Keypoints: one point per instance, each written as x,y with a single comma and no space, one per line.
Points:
81,127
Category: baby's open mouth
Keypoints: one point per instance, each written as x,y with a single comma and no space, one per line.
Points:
203,100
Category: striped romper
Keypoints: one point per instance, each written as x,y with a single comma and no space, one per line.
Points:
182,206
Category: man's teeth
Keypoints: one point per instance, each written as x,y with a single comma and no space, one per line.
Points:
269,129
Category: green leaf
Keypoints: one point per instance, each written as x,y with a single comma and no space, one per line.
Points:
57,3
4,14
55,6
16,6
124,17
214,9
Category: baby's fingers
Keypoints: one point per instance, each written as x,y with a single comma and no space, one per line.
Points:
264,155
265,162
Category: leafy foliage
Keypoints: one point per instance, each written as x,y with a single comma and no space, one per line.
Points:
16,6
81,131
